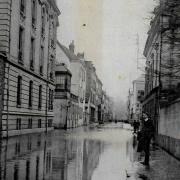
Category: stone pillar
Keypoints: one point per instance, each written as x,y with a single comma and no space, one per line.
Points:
2,75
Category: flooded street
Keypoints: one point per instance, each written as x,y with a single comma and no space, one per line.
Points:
91,153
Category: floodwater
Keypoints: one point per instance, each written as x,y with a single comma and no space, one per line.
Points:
90,153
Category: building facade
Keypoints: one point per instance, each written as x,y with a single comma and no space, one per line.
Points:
28,36
136,96
74,101
162,74
91,93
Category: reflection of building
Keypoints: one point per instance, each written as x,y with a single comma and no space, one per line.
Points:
26,157
91,154
135,99
27,40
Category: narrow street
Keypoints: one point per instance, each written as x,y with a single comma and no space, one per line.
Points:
105,152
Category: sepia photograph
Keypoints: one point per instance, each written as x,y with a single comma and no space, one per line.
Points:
89,89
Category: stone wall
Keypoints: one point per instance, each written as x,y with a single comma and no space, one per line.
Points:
169,123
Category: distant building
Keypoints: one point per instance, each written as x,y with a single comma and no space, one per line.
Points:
91,92
78,82
130,106
99,99
135,99
28,41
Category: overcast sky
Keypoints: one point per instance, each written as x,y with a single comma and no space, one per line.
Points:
106,30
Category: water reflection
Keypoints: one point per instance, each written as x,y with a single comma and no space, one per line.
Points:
51,157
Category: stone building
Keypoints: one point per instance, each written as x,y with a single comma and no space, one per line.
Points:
162,74
74,110
130,106
99,99
28,41
91,93
78,83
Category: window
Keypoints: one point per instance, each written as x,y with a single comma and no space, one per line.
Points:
17,148
50,99
53,35
32,54
33,9
28,169
49,122
21,34
60,82
51,75
43,22
41,60
29,123
19,90
29,143
37,167
22,6
30,93
39,123
18,124
16,171
40,97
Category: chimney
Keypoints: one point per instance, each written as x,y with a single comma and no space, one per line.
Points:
72,47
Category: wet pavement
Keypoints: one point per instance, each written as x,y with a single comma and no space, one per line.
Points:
106,152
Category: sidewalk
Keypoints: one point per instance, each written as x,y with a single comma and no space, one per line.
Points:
162,167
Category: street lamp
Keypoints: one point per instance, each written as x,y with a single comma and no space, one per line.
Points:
67,108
